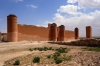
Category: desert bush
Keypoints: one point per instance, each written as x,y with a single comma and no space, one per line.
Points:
17,62
36,59
97,49
56,54
31,49
40,49
45,48
35,48
67,58
48,56
62,50
58,61
50,48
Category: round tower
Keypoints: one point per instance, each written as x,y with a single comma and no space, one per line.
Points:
62,32
53,32
12,28
0,36
88,32
76,33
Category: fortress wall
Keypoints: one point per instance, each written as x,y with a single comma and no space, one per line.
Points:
69,35
34,33
31,32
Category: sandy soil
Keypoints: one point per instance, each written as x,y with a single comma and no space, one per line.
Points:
12,50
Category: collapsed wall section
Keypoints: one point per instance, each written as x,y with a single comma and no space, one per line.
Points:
31,32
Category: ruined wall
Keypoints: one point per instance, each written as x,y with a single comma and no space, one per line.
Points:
12,30
88,32
34,33
30,32
53,32
69,35
3,37
76,33
61,33
0,36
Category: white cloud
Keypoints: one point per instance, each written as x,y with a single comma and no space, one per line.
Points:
71,1
19,0
86,3
33,6
91,19
70,9
72,15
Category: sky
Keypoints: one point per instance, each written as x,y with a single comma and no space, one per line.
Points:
71,13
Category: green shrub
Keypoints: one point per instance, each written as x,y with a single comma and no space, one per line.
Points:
62,50
56,54
35,48
50,48
57,61
40,49
97,49
48,56
31,49
45,48
36,59
68,58
17,62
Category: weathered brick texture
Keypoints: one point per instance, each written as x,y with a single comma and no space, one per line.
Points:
12,28
88,32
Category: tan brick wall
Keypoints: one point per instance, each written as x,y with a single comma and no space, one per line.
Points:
31,32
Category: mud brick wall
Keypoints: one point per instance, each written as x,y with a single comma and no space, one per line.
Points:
88,32
69,35
0,36
31,32
76,33
34,33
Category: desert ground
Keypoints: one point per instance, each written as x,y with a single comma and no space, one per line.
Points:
9,52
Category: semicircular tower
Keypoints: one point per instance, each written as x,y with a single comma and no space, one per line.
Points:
76,33
53,32
12,28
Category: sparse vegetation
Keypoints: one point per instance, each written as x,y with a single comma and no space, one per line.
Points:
36,59
31,49
41,49
97,49
58,60
48,56
17,62
67,58
50,48
56,54
62,50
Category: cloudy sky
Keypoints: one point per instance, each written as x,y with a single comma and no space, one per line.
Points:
71,13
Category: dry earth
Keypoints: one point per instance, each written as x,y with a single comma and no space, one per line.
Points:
20,50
